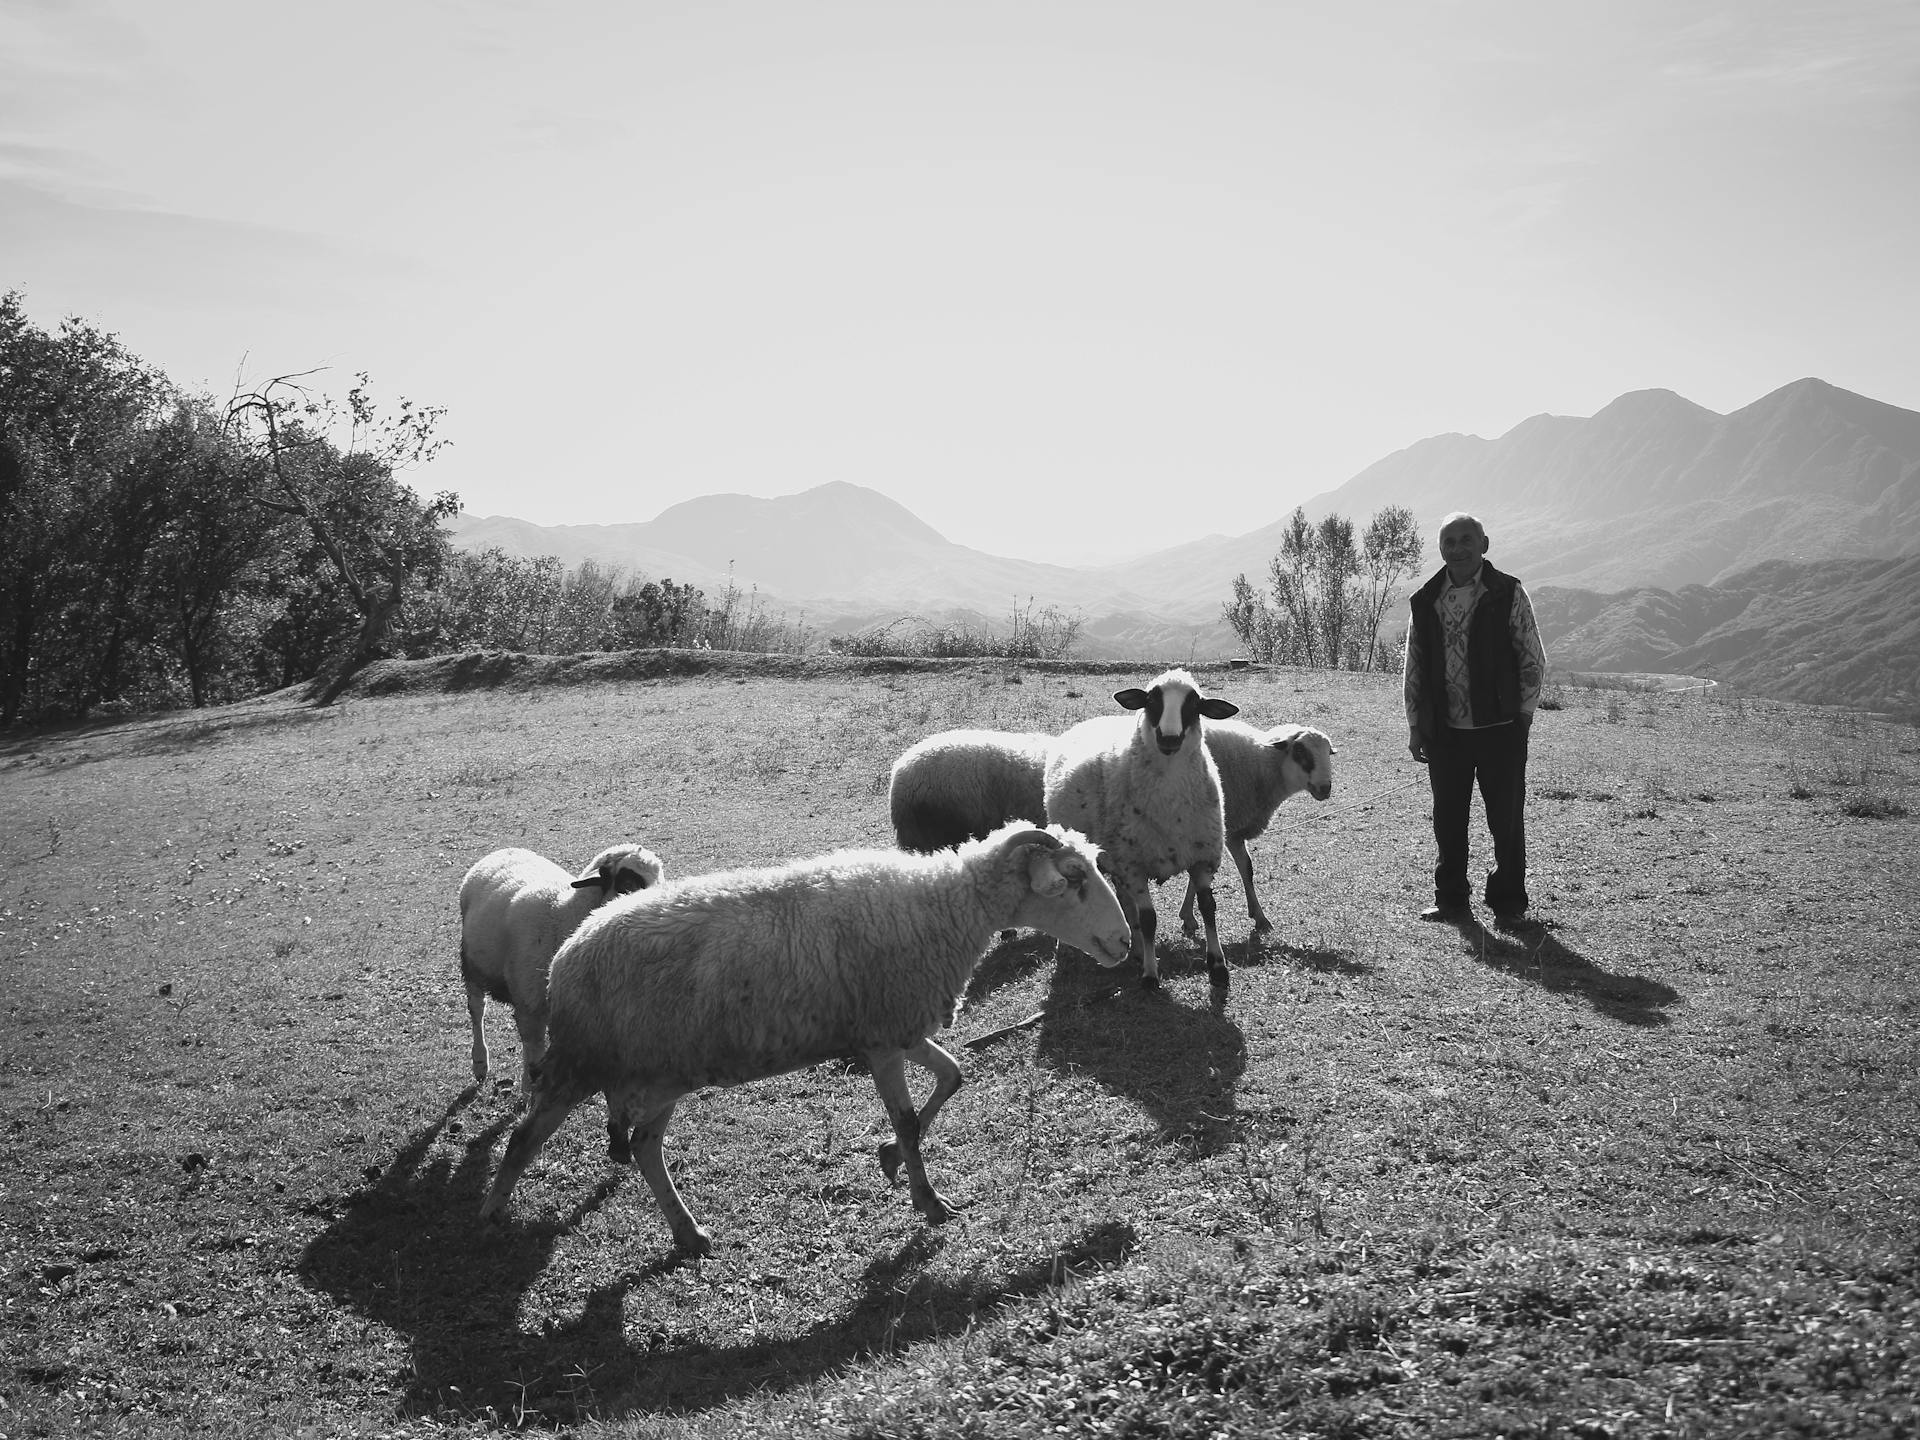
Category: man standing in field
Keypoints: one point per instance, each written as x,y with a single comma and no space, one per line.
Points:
1475,666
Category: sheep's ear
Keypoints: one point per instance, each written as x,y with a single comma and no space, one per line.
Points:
585,880
1214,708
1283,737
1045,876
1132,698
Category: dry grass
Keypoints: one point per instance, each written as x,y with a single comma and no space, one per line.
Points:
1646,1169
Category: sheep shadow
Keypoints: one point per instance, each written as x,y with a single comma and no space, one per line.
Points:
1530,952
1007,962
1180,1063
407,1252
895,1307
1260,950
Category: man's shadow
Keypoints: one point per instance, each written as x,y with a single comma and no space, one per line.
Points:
409,1252
1530,952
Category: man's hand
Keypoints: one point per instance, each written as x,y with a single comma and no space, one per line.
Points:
1417,745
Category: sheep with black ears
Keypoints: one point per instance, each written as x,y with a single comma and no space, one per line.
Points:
959,785
1259,770
739,975
1146,790
516,910
967,782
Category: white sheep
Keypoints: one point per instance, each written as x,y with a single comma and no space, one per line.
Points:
1147,791
961,784
1260,769
516,910
967,782
735,976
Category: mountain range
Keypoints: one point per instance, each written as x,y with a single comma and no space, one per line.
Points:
1674,534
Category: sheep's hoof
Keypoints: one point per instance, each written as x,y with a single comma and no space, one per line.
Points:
1149,982
936,1208
479,1068
692,1239
1218,976
619,1148
890,1158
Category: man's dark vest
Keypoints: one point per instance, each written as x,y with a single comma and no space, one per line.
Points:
1493,670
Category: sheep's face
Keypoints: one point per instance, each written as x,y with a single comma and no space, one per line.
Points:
1171,709
1310,755
1068,893
621,871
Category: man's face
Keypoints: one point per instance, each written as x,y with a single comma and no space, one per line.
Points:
1462,545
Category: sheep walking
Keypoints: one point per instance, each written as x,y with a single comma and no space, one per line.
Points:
516,910
1259,770
959,785
1146,790
736,976
967,782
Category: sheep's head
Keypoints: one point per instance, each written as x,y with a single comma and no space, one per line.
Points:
1306,757
621,871
1068,893
1171,709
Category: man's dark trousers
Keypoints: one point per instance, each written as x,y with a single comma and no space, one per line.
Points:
1496,756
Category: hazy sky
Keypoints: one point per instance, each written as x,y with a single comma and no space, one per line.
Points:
1066,279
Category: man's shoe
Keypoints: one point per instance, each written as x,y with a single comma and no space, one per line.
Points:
1509,918
1445,912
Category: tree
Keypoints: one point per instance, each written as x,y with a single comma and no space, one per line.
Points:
1326,594
657,613
1264,633
376,535
209,583
1294,574
1336,561
71,403
1390,550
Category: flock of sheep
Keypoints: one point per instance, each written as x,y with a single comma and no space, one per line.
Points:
644,991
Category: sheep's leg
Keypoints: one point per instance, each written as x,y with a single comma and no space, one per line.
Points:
1187,923
1201,877
1243,862
543,1117
477,1013
532,1025
890,1079
947,1078
622,1106
1144,921
688,1234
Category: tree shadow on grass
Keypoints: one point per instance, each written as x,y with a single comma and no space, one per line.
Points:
172,733
1531,953
1179,1062
409,1253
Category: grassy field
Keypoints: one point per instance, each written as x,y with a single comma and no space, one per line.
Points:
1650,1169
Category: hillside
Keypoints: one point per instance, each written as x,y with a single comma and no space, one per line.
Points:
1833,632
1652,490
1654,493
